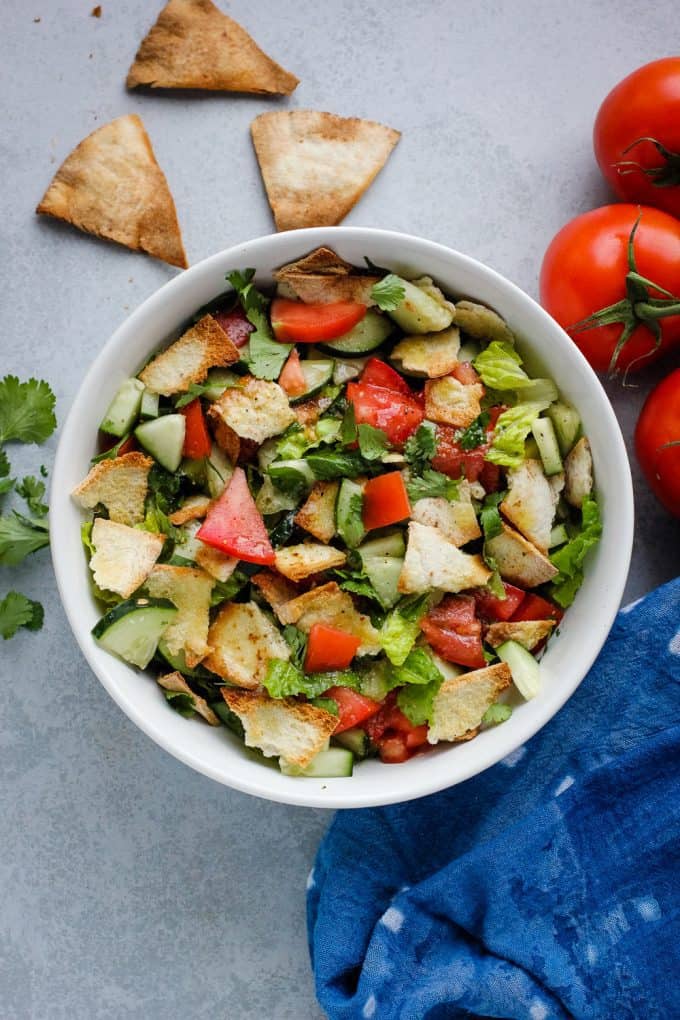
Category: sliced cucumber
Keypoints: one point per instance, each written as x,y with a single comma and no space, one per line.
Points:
526,673
538,391
195,471
355,740
468,351
188,545
387,545
558,536
292,472
546,440
271,500
175,661
163,438
531,450
334,763
348,368
132,629
418,312
375,682
317,374
368,334
567,424
267,453
123,411
218,470
219,380
348,510
149,405
383,573
229,718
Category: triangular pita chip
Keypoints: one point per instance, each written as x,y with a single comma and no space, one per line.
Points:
315,165
193,45
112,186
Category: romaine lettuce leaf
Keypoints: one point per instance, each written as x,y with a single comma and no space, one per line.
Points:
499,367
512,428
401,628
569,558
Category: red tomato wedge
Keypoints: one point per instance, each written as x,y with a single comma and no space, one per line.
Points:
452,630
353,708
397,414
129,446
292,379
329,648
385,501
235,324
465,373
494,610
396,737
378,373
295,322
533,607
234,525
197,442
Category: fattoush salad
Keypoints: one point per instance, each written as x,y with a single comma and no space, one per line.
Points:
338,516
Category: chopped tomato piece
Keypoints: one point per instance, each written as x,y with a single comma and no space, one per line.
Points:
385,501
329,648
465,373
295,322
292,379
394,734
452,460
234,525
490,476
353,708
493,609
129,446
378,373
534,607
393,750
235,324
197,442
416,737
453,631
395,413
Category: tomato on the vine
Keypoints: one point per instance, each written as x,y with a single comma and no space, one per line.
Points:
611,278
637,136
657,441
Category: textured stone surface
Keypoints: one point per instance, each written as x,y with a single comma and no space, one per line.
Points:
131,886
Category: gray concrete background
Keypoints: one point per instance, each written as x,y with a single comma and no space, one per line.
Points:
133,888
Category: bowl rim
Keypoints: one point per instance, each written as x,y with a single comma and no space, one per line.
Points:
300,793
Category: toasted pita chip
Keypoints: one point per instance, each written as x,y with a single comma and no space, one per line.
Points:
111,186
321,261
193,45
316,166
203,346
317,288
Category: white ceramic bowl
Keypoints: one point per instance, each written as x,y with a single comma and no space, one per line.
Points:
215,752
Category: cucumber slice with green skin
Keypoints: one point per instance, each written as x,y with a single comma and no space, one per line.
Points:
229,718
334,763
368,334
293,470
123,411
526,673
219,380
383,573
539,391
163,438
317,374
271,500
178,661
132,629
195,471
149,405
546,440
418,312
558,536
387,545
468,351
218,470
357,741
567,424
348,510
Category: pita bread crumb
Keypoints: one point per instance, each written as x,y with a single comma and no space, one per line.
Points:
255,410
316,288
518,560
331,605
193,45
317,513
527,633
120,485
194,508
189,588
281,727
176,683
461,702
316,166
111,186
452,402
243,640
203,346
323,261
214,562
299,561
123,557
275,588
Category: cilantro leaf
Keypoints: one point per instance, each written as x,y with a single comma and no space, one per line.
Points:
18,611
496,713
4,464
475,434
348,428
357,582
372,442
421,446
181,702
32,490
431,484
388,293
112,452
338,464
26,410
489,516
264,355
19,537
297,642
225,590
569,558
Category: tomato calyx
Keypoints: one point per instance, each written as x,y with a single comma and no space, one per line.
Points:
637,309
667,175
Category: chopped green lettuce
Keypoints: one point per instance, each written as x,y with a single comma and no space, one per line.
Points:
402,626
512,428
496,713
284,680
569,558
424,679
499,367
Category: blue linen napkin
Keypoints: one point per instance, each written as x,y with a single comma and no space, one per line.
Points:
545,888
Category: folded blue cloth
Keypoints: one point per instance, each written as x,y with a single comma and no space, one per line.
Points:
545,888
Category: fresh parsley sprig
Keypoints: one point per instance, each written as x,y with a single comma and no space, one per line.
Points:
265,356
26,410
18,611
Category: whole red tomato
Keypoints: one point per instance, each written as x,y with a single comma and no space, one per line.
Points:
637,136
657,441
611,278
